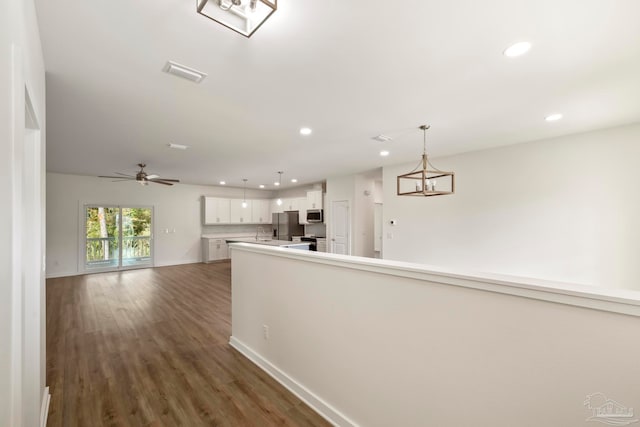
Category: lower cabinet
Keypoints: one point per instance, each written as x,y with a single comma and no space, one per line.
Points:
214,250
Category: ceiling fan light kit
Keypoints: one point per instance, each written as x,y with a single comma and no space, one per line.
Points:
142,177
241,16
423,181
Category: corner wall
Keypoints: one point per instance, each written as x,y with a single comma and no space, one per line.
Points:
22,166
564,209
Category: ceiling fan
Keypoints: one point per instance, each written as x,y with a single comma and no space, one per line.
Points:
142,177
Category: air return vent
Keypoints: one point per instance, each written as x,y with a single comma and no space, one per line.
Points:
184,72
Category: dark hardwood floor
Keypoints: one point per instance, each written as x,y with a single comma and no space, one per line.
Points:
150,348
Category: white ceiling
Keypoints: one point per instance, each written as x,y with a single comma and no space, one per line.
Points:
350,70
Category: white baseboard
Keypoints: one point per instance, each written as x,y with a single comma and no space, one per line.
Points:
67,274
44,410
325,410
80,273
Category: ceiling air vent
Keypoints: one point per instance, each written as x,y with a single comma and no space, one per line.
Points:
183,71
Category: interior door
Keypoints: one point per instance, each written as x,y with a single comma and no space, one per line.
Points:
340,226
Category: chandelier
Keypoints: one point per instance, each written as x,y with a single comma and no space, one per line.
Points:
241,16
423,181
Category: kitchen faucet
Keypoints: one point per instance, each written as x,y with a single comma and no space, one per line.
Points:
259,231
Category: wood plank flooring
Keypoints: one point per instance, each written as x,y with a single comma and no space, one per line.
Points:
150,348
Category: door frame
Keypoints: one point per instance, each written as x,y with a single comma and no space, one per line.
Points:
82,237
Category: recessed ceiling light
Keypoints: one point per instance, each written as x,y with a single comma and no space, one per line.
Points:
261,185
553,117
294,180
177,146
222,183
517,49
305,131
183,71
384,153
276,184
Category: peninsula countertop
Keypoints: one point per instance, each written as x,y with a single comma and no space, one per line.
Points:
268,242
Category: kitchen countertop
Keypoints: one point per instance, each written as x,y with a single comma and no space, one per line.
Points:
281,243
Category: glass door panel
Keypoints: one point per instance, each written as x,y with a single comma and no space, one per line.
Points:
117,237
102,228
136,237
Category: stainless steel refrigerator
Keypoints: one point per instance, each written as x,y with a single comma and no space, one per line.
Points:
286,225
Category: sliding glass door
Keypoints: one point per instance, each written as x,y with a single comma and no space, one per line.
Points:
117,237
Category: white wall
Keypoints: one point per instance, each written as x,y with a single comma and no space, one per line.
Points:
363,227
374,344
177,207
565,209
22,165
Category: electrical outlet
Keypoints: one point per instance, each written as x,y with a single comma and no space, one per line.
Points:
265,332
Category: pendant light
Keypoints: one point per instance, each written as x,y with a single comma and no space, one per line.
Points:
423,181
279,201
241,16
244,195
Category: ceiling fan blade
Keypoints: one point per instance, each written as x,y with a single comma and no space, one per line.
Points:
118,177
153,176
167,179
124,174
158,181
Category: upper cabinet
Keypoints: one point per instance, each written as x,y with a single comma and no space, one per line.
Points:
216,211
291,204
240,214
261,211
314,199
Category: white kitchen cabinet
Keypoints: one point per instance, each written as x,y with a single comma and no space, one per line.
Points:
239,214
302,210
275,208
214,250
216,211
261,211
290,204
314,199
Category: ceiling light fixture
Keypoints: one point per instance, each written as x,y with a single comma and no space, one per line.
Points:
244,193
384,153
424,182
241,16
177,146
553,117
183,71
517,49
294,180
261,186
279,201
223,183
305,131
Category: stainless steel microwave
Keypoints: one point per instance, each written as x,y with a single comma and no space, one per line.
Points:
315,215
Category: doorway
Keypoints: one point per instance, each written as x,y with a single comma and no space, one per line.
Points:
340,227
117,237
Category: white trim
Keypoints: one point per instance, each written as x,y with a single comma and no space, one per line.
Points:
44,410
612,300
324,409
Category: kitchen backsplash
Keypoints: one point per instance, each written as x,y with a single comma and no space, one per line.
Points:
318,230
